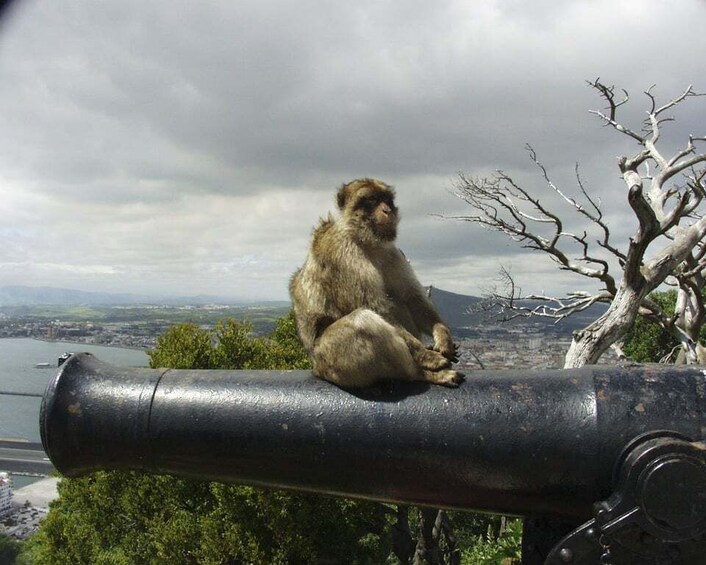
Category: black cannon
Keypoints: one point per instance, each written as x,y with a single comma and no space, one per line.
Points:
616,449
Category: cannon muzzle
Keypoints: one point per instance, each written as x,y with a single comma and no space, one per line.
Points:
518,442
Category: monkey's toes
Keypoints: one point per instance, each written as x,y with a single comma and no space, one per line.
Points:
448,378
433,360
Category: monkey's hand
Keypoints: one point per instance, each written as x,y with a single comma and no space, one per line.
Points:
443,342
431,360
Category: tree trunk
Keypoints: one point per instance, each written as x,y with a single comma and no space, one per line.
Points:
402,542
595,339
690,318
427,551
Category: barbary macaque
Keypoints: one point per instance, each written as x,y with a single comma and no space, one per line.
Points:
360,309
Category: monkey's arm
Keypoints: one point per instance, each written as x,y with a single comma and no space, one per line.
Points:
423,312
309,304
428,321
433,360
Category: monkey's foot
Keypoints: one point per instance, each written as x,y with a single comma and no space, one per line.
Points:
447,377
447,349
432,360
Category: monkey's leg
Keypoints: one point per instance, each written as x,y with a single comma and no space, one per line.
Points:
443,343
426,358
361,349
436,368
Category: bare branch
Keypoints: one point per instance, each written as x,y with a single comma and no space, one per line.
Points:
688,150
669,243
669,356
497,203
596,218
686,94
509,303
617,126
608,93
677,168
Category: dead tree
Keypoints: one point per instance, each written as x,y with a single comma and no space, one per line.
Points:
666,246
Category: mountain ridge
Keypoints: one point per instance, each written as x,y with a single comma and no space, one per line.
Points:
20,295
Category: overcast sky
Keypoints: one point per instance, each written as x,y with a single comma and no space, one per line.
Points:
173,148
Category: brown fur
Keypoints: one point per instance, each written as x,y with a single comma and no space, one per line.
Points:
359,307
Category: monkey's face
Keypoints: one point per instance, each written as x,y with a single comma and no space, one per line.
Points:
369,207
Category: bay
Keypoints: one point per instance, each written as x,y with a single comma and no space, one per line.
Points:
19,416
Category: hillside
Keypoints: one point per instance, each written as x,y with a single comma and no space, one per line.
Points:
462,312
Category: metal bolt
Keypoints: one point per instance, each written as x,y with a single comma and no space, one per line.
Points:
566,555
591,535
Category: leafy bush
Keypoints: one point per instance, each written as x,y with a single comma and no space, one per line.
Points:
647,342
497,547
9,549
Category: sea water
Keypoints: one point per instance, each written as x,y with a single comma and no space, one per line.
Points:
19,373
19,357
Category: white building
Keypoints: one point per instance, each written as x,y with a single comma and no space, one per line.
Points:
5,494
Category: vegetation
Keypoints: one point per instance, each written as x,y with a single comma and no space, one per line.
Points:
649,342
498,545
9,549
126,517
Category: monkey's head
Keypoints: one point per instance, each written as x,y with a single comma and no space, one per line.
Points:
368,206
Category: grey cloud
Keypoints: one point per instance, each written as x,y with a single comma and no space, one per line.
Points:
143,135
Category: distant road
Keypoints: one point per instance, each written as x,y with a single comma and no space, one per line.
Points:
18,456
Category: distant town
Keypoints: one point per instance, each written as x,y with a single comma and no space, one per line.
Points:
528,345
128,335
124,326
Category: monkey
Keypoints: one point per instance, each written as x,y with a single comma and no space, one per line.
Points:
360,309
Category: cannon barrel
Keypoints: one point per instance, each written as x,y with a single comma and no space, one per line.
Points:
518,442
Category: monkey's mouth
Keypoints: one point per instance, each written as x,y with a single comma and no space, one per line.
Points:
386,231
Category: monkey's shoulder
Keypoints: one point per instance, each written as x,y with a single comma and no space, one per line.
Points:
332,244
325,239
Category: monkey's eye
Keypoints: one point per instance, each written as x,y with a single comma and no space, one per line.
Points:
367,203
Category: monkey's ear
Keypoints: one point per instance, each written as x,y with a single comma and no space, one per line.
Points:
342,196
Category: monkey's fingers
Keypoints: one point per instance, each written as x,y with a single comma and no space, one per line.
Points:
451,353
454,356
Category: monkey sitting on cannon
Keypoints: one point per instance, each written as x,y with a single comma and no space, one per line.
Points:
360,310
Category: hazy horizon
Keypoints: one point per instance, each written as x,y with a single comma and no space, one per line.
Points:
24,290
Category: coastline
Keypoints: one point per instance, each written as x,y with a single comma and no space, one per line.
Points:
112,345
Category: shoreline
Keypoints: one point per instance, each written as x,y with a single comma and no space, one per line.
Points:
111,345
